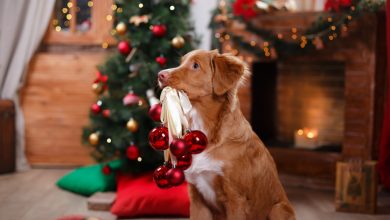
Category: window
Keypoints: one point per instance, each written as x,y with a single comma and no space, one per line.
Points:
81,22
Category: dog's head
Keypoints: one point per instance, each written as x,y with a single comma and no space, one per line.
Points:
203,73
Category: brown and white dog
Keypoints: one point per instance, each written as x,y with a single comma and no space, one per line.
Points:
235,177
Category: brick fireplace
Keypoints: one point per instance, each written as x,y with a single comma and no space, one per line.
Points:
338,91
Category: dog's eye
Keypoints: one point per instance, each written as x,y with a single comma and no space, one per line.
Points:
195,66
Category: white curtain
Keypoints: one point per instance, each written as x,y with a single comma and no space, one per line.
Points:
22,26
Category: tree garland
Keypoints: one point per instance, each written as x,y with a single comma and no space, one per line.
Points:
328,27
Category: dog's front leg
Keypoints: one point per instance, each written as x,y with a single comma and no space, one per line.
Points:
198,209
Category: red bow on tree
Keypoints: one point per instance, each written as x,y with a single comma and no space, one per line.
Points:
100,78
335,5
244,8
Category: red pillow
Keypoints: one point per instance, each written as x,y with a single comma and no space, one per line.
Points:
139,196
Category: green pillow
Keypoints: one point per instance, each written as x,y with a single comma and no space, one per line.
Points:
89,179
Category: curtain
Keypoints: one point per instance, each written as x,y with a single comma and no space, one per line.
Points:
384,148
23,24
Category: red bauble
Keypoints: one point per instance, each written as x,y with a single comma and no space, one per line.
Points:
95,108
179,147
159,138
183,162
132,152
160,177
159,30
175,176
106,170
161,60
155,112
124,47
197,141
106,113
130,99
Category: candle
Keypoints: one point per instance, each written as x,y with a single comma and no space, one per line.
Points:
306,138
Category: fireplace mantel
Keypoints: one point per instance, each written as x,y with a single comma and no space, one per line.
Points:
363,51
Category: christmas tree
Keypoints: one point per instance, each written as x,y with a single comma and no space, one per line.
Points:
151,35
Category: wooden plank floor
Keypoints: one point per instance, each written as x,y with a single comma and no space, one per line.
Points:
32,195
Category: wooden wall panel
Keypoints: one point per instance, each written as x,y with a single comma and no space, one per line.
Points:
56,101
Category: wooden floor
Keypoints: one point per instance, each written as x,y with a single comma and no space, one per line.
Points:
32,195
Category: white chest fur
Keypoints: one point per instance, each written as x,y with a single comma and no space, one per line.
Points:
201,174
203,169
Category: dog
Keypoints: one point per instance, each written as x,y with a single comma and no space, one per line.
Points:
235,177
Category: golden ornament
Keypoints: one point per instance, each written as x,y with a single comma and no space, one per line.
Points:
121,28
137,20
97,88
132,125
178,42
93,139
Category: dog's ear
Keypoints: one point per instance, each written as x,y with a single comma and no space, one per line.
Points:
228,71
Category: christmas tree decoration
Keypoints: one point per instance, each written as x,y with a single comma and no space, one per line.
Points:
132,125
94,139
160,177
155,112
137,20
106,170
159,30
121,28
124,47
197,141
184,161
161,60
175,176
179,147
132,152
178,42
95,108
159,138
106,113
142,35
97,88
130,99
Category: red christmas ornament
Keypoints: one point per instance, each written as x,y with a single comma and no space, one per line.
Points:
159,30
159,138
335,5
179,147
197,141
132,152
106,113
183,162
161,60
175,176
160,177
95,108
124,47
106,170
155,112
130,99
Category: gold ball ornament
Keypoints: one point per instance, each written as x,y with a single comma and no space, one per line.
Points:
178,42
97,88
93,139
121,28
132,125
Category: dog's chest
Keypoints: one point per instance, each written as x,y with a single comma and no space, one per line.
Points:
202,174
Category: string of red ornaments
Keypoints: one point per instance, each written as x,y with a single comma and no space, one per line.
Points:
193,142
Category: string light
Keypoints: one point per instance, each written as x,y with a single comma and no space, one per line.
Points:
55,22
253,43
104,45
330,19
140,5
119,10
108,140
90,3
217,35
68,16
331,37
227,37
172,8
294,30
333,28
294,36
114,7
58,28
113,32
349,17
139,159
64,10
109,17
69,4
280,36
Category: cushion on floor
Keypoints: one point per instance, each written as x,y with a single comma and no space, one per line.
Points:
89,179
139,196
